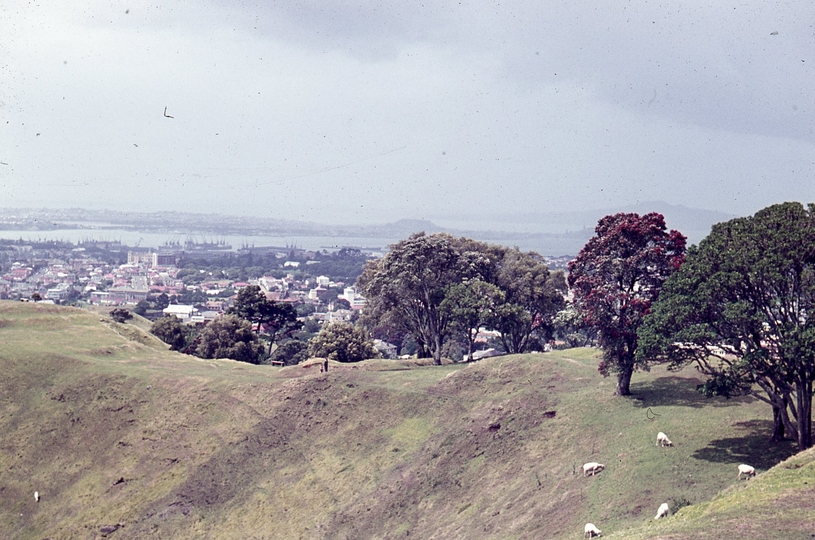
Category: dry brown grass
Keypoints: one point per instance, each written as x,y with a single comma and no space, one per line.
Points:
116,433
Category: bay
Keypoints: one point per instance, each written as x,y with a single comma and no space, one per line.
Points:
155,240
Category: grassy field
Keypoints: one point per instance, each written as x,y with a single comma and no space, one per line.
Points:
125,439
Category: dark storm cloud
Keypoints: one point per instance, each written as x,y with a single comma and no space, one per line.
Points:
368,111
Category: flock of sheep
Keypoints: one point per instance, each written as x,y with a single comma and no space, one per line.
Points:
592,468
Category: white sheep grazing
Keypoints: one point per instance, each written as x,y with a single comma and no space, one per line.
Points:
663,440
37,496
746,470
592,468
663,511
590,531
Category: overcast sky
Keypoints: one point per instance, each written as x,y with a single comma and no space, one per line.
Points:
361,111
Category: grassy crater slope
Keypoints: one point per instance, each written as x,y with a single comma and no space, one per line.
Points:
125,439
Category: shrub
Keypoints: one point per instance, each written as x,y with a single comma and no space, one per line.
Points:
290,353
229,337
120,315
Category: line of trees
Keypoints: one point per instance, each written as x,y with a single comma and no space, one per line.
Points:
737,306
428,288
239,333
432,287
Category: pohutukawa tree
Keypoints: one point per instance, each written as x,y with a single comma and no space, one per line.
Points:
739,308
616,277
413,279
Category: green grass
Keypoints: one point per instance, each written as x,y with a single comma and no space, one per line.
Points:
379,449
776,505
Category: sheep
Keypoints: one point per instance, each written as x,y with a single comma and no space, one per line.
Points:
746,470
663,440
663,511
590,531
592,468
37,496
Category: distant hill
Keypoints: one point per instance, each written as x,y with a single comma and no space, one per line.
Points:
692,222
125,439
551,233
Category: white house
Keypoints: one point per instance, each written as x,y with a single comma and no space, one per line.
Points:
356,300
181,311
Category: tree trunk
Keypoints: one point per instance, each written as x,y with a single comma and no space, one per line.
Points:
780,402
421,347
804,405
778,425
790,427
624,382
437,349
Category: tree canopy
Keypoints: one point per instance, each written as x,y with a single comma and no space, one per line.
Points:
162,301
169,330
229,337
532,298
739,309
434,286
342,342
616,277
412,281
290,353
278,319
471,304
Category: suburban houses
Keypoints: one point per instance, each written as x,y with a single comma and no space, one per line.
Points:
98,273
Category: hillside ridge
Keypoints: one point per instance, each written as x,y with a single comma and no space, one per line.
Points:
117,435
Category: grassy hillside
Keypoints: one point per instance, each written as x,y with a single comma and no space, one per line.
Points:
776,505
125,439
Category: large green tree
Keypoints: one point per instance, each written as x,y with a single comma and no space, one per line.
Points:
532,298
739,308
470,305
432,285
413,279
169,330
278,319
162,301
616,277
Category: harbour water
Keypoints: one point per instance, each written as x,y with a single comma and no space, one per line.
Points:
155,240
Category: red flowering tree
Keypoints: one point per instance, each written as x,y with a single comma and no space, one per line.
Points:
616,277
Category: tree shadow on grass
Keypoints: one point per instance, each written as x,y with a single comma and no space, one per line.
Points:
754,447
679,392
